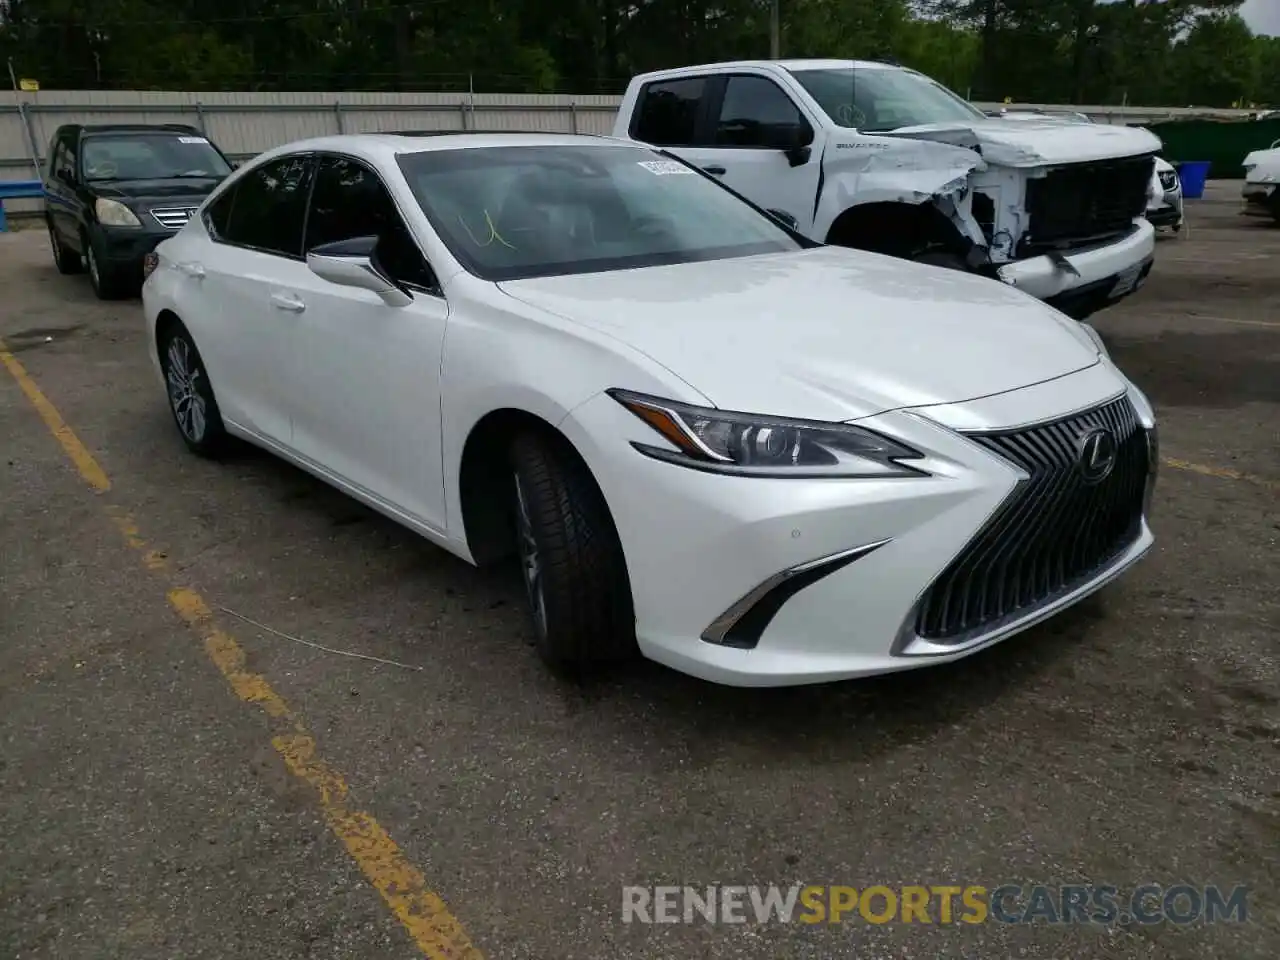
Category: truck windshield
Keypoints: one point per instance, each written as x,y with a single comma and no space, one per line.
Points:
151,156
512,212
877,99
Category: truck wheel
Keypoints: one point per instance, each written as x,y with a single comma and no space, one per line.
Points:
575,575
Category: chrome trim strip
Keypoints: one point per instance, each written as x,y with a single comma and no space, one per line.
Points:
742,624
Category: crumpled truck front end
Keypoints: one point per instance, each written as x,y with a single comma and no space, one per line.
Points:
1056,210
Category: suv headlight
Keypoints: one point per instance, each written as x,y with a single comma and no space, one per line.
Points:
113,213
747,444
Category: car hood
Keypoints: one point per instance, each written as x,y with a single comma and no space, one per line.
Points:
1263,165
825,334
194,189
1036,143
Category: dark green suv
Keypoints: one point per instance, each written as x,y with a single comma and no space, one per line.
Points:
113,192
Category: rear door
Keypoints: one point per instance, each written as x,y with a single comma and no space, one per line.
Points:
249,278
60,191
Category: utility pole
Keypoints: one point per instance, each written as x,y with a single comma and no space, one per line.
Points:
775,31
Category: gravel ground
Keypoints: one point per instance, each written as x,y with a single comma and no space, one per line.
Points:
147,815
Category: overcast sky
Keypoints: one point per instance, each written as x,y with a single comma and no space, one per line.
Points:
1263,15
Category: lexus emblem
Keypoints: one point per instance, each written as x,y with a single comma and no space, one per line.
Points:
1097,455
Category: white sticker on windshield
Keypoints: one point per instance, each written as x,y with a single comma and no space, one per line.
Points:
192,140
664,167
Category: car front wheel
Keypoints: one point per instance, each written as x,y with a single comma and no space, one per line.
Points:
104,277
575,576
191,399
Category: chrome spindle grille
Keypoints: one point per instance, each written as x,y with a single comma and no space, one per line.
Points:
173,218
1056,531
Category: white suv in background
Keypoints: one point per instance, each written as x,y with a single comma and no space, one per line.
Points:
881,158
1262,182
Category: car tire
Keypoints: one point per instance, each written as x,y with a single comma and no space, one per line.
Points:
67,261
190,394
107,282
574,572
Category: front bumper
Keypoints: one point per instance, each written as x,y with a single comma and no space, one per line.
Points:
1261,199
121,249
1168,212
704,550
1045,277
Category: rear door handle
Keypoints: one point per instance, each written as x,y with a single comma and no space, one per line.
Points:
285,301
716,171
193,270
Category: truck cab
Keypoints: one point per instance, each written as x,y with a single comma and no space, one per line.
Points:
882,158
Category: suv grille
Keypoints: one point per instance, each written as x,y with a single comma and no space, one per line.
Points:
1085,203
174,218
1056,531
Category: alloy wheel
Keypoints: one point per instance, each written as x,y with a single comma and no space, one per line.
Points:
184,377
530,560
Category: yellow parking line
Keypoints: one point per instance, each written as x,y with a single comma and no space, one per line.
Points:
1223,473
426,918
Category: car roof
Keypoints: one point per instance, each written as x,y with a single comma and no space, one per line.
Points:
387,146
103,128
792,65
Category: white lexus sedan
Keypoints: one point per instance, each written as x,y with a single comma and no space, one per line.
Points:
755,459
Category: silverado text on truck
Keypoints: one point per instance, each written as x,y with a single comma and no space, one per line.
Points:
882,158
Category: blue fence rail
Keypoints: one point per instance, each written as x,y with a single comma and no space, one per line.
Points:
18,190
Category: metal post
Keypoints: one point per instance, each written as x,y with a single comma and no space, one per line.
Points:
200,118
775,31
462,109
31,138
337,115
573,116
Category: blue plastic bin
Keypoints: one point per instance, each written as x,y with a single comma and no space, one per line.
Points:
1193,174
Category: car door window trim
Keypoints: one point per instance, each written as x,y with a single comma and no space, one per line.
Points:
234,189
437,292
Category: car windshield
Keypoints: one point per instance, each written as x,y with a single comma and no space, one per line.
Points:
151,156
874,99
513,212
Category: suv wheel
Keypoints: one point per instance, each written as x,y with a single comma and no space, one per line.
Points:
67,261
105,279
575,575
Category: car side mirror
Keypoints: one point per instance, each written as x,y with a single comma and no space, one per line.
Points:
354,263
794,141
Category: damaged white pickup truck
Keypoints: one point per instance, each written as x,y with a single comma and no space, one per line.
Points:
881,158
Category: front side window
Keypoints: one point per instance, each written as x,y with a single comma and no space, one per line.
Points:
879,99
269,206
667,112
350,201
150,156
513,212
755,112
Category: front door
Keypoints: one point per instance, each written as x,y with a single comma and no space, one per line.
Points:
739,147
368,408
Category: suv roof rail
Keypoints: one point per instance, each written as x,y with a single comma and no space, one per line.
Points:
105,127
464,133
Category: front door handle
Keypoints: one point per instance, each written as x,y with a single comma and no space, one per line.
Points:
716,171
283,301
193,270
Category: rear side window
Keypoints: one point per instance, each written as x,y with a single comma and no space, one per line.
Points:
218,214
269,207
350,201
667,112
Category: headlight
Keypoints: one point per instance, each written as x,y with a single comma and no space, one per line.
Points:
1096,337
113,213
746,444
